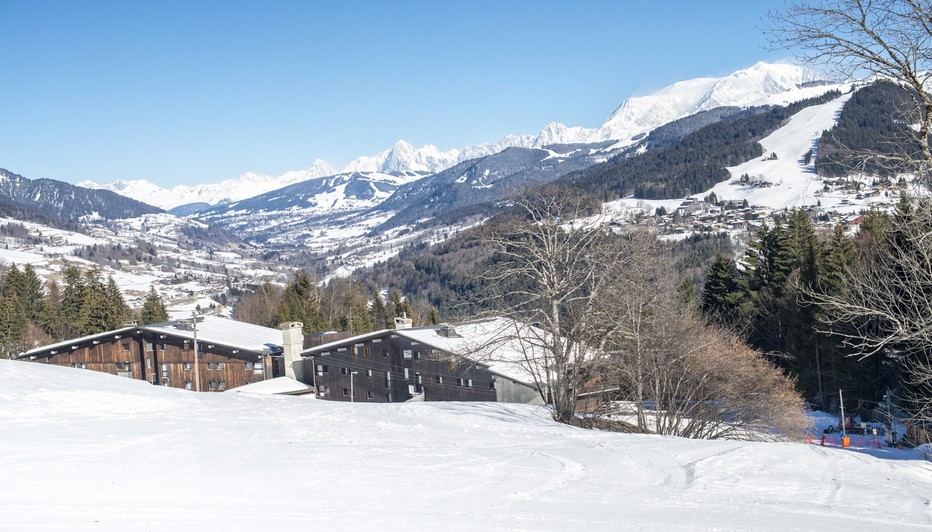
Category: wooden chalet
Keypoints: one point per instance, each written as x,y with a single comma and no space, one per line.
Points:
437,363
229,353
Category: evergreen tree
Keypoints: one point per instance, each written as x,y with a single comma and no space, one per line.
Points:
119,311
724,299
31,294
96,311
153,308
379,312
72,300
12,326
301,302
433,318
51,320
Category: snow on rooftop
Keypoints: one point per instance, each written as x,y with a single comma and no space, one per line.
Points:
223,331
493,342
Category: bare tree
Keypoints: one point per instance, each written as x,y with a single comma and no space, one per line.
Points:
883,38
550,265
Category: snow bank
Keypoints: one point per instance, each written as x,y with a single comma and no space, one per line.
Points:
85,450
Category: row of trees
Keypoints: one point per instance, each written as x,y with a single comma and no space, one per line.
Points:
33,313
341,304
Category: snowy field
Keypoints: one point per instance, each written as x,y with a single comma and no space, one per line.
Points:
89,451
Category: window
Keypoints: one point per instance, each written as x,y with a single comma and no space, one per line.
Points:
148,363
367,351
369,373
385,352
165,369
187,365
220,365
459,382
162,346
321,369
344,371
368,394
211,365
83,365
186,345
360,349
249,365
388,379
492,384
259,366
150,347
418,379
407,353
377,340
119,366
188,385
438,379
345,392
469,383
126,346
407,374
213,385
223,385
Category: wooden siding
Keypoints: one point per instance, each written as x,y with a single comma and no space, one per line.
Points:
166,361
412,368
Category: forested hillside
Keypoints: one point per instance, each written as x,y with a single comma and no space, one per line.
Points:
691,165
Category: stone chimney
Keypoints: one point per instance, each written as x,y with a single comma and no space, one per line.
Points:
403,322
292,345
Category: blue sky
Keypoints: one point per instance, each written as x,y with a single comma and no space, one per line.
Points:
200,91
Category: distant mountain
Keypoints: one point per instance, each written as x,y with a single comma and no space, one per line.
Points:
67,201
761,84
299,211
242,187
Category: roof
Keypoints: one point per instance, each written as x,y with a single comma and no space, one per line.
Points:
210,329
226,332
491,342
68,343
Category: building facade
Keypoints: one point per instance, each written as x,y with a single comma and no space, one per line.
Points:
402,364
229,353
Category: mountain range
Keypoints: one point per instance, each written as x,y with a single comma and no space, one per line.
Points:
760,84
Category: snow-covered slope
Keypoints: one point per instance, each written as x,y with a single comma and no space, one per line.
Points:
85,450
756,85
242,187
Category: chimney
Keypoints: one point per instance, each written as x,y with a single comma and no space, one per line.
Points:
292,345
403,322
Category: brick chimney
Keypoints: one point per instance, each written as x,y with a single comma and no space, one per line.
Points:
292,345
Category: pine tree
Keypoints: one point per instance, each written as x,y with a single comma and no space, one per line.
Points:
50,319
31,294
433,318
119,311
153,308
301,302
72,300
724,300
379,312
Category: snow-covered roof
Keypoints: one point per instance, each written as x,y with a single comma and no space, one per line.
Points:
226,332
210,329
493,342
73,341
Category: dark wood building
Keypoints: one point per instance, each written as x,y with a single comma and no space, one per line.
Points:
229,353
425,363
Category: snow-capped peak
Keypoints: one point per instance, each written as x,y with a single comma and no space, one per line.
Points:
245,186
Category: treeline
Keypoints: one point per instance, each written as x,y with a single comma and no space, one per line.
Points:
765,296
33,314
872,135
340,304
695,163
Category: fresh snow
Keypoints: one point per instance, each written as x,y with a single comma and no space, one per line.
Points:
86,450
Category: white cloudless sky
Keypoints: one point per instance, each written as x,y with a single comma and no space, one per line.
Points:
197,92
